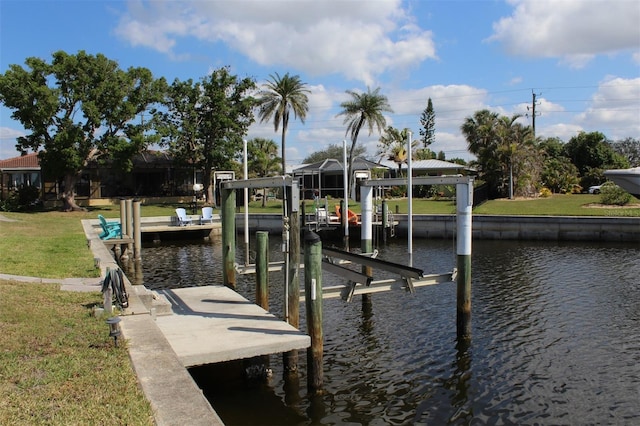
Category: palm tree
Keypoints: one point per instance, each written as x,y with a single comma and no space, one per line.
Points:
280,96
363,108
264,161
482,141
393,145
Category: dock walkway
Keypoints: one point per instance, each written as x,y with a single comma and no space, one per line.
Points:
213,324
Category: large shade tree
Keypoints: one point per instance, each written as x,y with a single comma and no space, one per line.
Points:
362,109
592,155
78,109
280,96
204,122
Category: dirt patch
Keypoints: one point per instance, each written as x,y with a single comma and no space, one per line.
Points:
611,206
6,219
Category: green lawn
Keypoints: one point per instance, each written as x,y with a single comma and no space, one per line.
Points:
58,365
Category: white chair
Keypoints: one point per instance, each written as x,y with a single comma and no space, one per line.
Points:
207,215
183,219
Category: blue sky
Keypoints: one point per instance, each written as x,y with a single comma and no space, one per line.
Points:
580,58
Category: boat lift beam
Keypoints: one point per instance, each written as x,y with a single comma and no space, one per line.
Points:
346,292
396,268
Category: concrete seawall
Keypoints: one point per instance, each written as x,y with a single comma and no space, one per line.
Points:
551,228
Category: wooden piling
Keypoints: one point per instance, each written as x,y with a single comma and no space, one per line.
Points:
290,359
262,269
385,221
313,304
464,203
137,232
129,227
228,218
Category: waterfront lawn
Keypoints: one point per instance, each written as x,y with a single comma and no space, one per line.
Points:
58,364
558,205
46,244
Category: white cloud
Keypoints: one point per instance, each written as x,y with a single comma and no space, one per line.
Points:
614,109
562,131
360,40
8,142
574,30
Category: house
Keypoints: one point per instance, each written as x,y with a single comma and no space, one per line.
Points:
154,175
327,177
431,167
19,171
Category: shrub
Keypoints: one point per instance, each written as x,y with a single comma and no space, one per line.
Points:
612,194
545,192
25,198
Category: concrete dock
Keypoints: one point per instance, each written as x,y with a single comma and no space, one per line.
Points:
213,324
202,325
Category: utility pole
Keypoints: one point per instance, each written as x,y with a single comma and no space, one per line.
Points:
533,112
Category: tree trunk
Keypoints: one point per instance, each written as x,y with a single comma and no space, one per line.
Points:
69,194
208,188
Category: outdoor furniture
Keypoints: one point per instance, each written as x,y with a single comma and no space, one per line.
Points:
183,219
207,215
109,229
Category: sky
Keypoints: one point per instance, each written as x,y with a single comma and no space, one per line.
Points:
579,58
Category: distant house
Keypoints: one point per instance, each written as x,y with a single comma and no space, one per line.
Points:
427,168
18,172
326,177
154,175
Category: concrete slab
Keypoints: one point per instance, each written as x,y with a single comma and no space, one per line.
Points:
214,324
175,398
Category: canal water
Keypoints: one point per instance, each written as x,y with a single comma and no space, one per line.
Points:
556,340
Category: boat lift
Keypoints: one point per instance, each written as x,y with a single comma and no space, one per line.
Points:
359,283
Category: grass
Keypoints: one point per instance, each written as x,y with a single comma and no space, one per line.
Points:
58,365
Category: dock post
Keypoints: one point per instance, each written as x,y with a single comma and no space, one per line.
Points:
290,359
262,269
228,213
123,227
313,304
464,204
129,228
366,234
385,220
304,213
137,231
123,215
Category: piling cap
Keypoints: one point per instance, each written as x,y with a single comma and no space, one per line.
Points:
311,237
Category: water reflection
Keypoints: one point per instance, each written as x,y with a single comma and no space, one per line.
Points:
555,339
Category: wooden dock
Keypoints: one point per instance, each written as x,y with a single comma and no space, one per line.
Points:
213,324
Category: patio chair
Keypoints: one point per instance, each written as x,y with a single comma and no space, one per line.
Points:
183,219
207,215
109,229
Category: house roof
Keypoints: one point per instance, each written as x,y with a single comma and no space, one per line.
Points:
332,165
426,165
24,162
